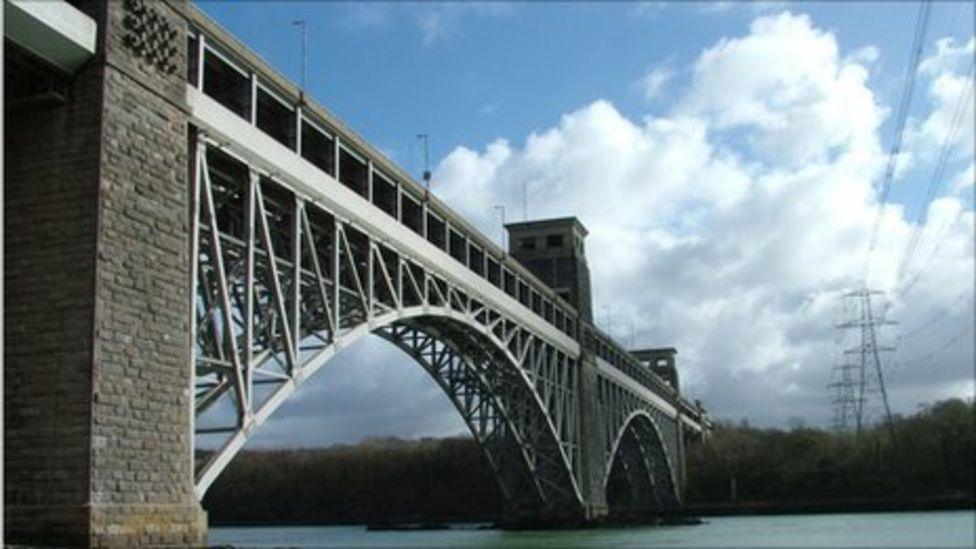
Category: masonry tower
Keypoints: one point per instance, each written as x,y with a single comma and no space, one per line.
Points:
553,249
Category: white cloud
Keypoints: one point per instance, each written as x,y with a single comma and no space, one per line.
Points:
731,226
728,227
950,94
948,57
786,87
964,181
653,83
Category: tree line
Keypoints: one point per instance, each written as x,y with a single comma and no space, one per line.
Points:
376,480
932,454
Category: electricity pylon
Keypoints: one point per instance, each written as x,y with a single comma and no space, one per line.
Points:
860,374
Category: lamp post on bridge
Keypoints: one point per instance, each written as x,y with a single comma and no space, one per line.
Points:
501,209
302,23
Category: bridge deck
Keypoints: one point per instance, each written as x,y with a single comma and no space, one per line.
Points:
457,250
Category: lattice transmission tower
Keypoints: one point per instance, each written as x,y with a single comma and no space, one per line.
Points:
858,381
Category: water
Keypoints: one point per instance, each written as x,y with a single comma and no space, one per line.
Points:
910,529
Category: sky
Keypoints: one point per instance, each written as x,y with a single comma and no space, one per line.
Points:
727,159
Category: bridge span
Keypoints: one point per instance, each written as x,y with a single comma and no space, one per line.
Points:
190,237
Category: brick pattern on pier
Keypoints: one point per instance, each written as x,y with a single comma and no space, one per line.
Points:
97,379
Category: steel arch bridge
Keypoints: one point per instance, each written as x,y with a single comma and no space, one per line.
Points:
282,282
305,239
196,238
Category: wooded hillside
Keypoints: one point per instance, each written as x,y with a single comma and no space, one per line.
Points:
934,455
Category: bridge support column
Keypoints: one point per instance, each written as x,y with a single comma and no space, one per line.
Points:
592,452
97,377
682,469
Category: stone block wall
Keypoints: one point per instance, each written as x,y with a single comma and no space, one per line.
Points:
97,376
591,439
51,167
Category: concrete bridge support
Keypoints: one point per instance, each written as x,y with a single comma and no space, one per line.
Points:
592,453
97,376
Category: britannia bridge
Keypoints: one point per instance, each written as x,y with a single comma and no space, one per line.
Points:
189,238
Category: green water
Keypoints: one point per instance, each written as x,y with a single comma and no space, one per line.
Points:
914,529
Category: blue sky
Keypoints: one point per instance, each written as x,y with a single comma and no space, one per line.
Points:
467,74
725,157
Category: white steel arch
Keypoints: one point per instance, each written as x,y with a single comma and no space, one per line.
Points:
650,452
280,284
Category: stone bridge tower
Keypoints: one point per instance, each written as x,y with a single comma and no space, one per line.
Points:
554,250
97,375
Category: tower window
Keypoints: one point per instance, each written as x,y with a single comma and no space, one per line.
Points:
527,243
554,241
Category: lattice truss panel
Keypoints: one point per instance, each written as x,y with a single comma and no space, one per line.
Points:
286,283
640,442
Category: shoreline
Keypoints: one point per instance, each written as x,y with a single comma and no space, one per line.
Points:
942,503
692,511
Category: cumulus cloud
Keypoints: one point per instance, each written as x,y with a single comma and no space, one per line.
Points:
950,95
728,227
731,226
786,86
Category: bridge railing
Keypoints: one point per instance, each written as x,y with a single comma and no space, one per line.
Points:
228,72
604,346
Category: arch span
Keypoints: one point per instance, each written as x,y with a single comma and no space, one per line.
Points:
281,284
484,382
639,475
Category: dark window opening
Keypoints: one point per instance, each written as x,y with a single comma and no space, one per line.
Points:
494,272
359,246
509,283
536,303
527,243
226,85
436,231
352,173
322,226
476,259
276,119
192,58
547,311
458,246
413,214
523,293
318,148
384,195
229,180
279,207
554,241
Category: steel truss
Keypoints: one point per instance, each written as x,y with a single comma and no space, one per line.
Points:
280,284
641,442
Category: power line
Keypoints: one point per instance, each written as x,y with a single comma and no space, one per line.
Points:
921,26
938,176
946,345
919,328
932,255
